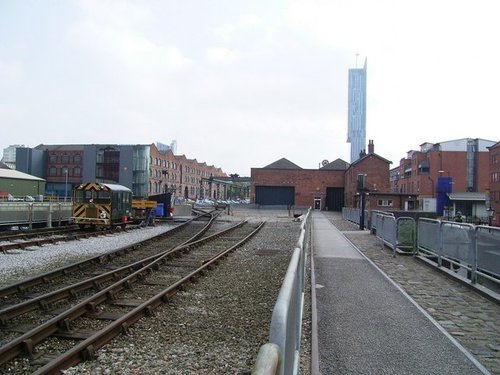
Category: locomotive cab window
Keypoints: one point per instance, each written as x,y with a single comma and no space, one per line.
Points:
103,197
82,196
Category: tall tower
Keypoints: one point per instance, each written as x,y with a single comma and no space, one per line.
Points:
356,121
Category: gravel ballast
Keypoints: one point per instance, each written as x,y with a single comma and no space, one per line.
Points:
21,264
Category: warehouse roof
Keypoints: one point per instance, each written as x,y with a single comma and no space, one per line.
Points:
336,165
12,173
282,164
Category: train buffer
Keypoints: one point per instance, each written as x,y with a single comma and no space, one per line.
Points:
142,204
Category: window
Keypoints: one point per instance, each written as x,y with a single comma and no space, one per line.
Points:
52,171
385,202
77,171
65,158
53,158
494,159
103,197
77,159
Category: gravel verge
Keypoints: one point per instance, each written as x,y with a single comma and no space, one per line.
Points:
22,264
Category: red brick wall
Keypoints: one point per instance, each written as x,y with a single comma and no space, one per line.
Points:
494,182
441,163
183,174
308,183
75,168
376,170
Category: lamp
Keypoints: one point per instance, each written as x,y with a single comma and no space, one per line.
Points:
491,213
66,184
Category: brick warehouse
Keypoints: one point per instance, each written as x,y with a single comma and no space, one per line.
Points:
285,183
331,187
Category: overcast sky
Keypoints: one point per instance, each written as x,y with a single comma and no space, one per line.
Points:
241,84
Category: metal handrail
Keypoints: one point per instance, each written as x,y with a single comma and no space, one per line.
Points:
286,322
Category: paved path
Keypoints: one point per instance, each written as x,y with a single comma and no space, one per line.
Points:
367,325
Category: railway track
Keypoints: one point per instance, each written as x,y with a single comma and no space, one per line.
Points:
183,233
26,239
35,238
23,234
112,309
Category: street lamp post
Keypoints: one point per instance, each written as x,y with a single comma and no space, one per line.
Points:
362,191
66,184
491,213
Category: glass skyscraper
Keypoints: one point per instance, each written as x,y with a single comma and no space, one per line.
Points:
356,121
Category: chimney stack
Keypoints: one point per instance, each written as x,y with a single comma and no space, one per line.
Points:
371,147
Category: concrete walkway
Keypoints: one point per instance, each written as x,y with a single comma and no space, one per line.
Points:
364,324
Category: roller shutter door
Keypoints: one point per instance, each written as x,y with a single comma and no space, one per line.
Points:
275,195
334,198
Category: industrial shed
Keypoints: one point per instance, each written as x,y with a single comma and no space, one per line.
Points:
285,183
20,184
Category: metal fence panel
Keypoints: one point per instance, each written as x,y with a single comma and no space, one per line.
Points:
428,235
406,233
488,250
457,242
474,248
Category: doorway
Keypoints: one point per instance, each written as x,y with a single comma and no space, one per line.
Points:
317,203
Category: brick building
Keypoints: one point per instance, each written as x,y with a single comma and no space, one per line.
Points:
187,177
369,177
443,177
466,161
285,183
331,187
145,169
438,172
493,194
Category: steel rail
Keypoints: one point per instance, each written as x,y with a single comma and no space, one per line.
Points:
36,232
69,237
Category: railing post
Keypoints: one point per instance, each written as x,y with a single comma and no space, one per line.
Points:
473,275
440,248
49,216
30,215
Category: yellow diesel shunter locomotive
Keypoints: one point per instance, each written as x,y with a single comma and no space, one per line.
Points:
102,205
